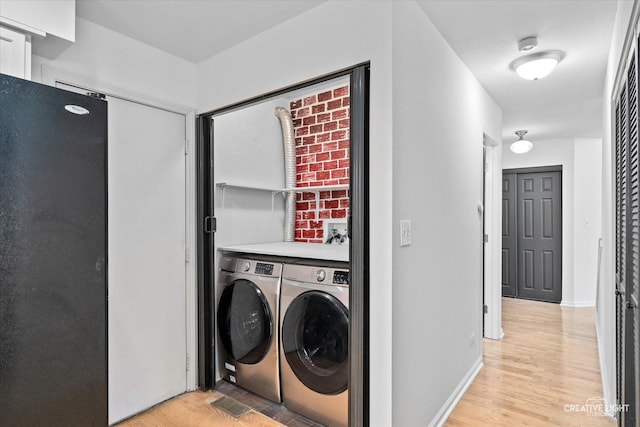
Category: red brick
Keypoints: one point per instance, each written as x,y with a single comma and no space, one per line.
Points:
301,184
303,112
308,176
339,173
344,144
337,194
298,141
298,179
298,160
315,129
343,163
330,146
296,104
302,224
347,171
338,135
308,215
302,168
320,157
323,137
344,181
297,123
310,100
302,206
308,196
323,117
301,150
339,213
338,154
298,197
309,140
323,175
316,240
298,234
308,234
330,165
324,214
319,233
312,205
330,126
346,102
319,108
341,91
344,123
316,184
314,167
302,131
315,224
331,204
340,114
308,158
311,120
325,195
324,96
336,103
293,114
331,182
315,148
344,203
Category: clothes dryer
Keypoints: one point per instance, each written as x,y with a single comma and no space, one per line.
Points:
248,313
314,349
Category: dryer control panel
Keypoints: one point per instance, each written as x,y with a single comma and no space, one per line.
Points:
340,277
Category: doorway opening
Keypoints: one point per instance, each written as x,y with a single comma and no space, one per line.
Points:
532,233
210,194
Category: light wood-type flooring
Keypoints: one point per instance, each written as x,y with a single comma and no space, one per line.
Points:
547,360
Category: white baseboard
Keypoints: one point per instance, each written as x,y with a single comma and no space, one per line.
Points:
604,375
452,401
590,303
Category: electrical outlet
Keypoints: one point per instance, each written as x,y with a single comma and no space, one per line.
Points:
405,233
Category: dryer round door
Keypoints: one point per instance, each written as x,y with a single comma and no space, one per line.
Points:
245,322
315,340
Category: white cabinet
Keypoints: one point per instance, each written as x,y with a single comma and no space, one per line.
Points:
15,54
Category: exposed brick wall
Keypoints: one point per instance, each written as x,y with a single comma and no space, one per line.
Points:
321,124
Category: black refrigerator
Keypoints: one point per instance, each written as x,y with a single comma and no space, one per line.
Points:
53,266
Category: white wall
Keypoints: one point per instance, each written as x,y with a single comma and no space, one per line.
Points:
293,52
108,59
581,180
440,112
605,317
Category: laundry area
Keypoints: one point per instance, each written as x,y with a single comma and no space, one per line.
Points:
280,185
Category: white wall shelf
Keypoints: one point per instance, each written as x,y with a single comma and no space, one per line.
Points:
223,186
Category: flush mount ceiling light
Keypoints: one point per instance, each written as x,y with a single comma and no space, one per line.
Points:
521,146
537,65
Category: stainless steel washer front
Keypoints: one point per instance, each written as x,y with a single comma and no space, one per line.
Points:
314,351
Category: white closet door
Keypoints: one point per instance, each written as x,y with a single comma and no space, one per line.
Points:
12,53
146,193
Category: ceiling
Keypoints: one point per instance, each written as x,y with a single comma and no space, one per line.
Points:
484,34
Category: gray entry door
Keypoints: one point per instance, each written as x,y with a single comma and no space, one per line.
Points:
537,217
509,235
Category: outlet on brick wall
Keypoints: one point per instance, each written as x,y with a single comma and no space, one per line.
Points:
321,124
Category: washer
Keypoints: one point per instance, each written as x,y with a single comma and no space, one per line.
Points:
248,313
314,330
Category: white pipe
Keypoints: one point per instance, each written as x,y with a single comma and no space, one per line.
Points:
286,123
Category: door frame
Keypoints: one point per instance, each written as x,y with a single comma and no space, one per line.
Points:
538,169
51,76
358,241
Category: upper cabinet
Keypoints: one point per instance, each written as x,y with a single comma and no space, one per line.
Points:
15,54
50,25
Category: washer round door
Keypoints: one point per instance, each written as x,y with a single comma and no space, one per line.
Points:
315,340
245,322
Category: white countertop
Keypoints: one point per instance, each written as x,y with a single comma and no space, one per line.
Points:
294,250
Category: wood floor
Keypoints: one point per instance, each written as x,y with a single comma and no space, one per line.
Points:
547,360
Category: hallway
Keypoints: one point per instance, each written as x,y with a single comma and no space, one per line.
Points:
547,361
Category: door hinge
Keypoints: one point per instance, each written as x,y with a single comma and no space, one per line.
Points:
186,146
485,238
186,255
188,362
485,309
210,224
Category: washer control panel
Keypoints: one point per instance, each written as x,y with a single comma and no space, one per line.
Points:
262,268
340,277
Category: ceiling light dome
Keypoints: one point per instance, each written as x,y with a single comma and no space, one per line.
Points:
537,65
521,146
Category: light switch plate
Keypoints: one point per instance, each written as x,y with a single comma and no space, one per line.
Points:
405,233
